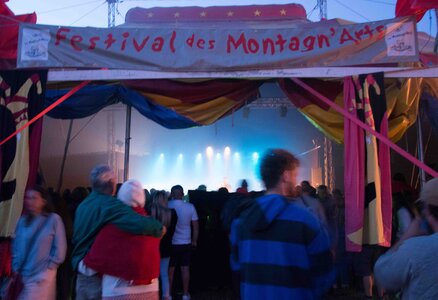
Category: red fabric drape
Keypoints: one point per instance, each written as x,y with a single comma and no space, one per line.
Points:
9,32
201,101
354,171
414,7
197,91
34,151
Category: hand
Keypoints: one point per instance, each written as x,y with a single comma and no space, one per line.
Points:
163,231
414,229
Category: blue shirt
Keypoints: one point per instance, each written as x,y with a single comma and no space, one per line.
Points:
281,250
48,250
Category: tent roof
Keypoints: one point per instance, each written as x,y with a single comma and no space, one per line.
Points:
216,14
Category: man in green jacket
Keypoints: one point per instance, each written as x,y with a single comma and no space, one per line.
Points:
98,209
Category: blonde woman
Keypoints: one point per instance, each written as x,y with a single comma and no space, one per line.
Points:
168,218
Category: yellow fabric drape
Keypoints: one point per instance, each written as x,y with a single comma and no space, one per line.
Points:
402,97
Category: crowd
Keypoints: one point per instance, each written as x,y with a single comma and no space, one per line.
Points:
287,242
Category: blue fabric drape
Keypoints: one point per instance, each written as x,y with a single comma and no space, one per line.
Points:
90,99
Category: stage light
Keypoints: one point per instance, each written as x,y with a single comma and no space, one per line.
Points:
209,151
237,155
227,150
180,156
218,155
198,160
161,155
255,156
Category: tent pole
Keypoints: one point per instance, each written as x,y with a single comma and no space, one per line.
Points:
64,157
127,142
435,47
420,148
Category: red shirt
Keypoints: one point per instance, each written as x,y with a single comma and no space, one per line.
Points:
124,255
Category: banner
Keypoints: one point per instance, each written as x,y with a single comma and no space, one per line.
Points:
218,49
367,170
21,98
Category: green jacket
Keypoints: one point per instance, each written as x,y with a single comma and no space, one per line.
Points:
98,210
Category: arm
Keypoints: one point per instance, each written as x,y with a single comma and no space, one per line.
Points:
195,233
16,242
59,244
195,225
404,219
234,247
321,261
414,229
122,216
321,213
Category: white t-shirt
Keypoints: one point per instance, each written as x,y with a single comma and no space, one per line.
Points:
114,286
186,213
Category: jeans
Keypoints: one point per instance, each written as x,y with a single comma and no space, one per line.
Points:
40,286
164,276
88,287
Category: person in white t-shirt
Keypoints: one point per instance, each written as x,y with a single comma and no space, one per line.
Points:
184,240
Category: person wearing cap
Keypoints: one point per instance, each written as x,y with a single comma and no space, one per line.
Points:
128,263
411,265
98,209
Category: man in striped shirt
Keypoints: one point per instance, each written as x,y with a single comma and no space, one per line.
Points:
280,249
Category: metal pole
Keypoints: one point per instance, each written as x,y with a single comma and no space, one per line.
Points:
112,13
322,4
127,142
435,47
331,182
420,148
326,162
64,158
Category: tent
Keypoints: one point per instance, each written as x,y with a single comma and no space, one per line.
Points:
337,49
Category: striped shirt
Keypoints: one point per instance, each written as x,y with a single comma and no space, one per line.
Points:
281,251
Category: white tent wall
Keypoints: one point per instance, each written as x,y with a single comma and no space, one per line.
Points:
260,129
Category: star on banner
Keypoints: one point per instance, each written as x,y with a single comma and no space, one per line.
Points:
257,13
283,12
176,15
150,15
203,14
230,13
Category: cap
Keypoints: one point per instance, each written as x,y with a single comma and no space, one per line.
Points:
429,193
